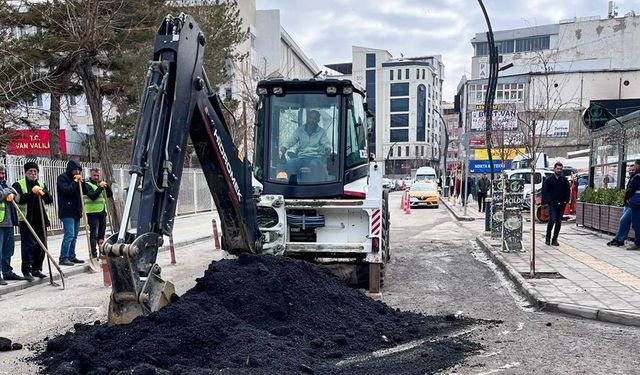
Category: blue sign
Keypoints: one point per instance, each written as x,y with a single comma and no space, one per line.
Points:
479,166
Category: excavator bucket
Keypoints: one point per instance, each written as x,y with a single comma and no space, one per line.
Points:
156,295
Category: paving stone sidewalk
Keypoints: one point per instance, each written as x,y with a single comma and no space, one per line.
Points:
583,276
187,230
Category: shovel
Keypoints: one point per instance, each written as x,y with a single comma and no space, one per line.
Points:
35,235
93,262
46,240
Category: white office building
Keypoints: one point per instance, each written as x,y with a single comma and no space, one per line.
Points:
405,95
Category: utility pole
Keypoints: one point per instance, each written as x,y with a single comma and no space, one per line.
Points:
491,86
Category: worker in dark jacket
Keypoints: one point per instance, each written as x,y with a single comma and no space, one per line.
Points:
484,184
556,192
31,193
8,219
94,203
632,199
68,188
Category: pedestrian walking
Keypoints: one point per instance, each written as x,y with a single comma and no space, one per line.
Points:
632,199
484,184
31,192
556,192
624,225
94,205
69,211
8,219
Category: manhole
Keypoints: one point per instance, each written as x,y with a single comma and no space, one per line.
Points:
542,275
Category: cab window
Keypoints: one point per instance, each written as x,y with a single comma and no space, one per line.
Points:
356,153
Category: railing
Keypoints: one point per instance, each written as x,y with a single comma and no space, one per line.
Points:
194,192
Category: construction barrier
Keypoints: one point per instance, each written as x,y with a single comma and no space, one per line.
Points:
216,240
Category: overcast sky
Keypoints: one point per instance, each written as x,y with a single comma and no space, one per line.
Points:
327,29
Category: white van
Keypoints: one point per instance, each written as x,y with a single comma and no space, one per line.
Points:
425,173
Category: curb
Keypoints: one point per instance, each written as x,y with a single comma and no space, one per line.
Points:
541,303
455,214
15,286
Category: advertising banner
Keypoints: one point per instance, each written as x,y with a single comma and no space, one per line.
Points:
502,119
555,129
34,142
496,153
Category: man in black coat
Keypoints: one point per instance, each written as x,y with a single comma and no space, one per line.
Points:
70,211
556,193
31,194
631,198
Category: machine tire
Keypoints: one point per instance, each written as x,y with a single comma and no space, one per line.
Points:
386,227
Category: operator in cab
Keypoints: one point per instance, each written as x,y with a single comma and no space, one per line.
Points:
312,146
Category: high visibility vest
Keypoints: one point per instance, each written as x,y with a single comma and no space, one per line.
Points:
91,206
2,211
23,206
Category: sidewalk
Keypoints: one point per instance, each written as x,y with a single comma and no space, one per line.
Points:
582,276
187,230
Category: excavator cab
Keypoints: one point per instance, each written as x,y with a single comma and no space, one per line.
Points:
311,137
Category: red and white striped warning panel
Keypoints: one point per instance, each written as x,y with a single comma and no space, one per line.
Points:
375,222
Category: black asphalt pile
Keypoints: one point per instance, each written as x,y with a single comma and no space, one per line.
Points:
261,315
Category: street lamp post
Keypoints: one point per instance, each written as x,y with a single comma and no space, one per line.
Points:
387,158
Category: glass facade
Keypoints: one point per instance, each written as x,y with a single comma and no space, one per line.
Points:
399,105
421,113
530,44
399,135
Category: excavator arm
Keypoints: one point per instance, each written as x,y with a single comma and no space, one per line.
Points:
178,103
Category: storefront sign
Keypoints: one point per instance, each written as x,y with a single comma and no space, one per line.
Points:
33,142
497,153
479,166
506,213
555,129
502,119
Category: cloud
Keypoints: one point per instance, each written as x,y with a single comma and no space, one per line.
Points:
326,30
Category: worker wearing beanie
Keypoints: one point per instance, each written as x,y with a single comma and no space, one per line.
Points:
29,190
70,210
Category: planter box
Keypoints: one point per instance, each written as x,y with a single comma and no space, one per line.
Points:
588,215
614,218
603,218
580,213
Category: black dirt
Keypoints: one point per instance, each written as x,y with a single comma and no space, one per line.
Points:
263,315
5,344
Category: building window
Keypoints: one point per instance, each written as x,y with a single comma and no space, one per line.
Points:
399,120
39,101
532,44
399,148
370,87
391,75
400,89
371,60
421,150
482,49
399,73
422,73
391,152
417,149
420,113
417,73
399,135
399,105
407,150
406,73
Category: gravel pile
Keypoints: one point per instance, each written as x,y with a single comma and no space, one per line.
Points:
262,315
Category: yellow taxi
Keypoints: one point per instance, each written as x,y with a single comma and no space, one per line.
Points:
424,193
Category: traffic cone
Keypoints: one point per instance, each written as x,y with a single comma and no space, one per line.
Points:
106,276
407,206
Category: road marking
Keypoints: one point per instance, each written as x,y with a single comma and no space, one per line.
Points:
501,368
400,348
605,268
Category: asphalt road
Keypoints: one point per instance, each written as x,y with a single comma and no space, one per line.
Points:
438,269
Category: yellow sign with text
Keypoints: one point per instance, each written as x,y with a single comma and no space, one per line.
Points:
498,153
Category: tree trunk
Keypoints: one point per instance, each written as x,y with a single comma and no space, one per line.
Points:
54,126
94,99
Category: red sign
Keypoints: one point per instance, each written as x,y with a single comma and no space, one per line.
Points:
34,142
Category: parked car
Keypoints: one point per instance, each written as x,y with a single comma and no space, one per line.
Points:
424,194
583,182
525,174
407,182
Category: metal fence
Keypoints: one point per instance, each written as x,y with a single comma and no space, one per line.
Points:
194,192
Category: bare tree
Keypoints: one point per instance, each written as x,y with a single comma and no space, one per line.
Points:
543,104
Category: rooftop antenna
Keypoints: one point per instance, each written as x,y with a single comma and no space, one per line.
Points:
613,10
